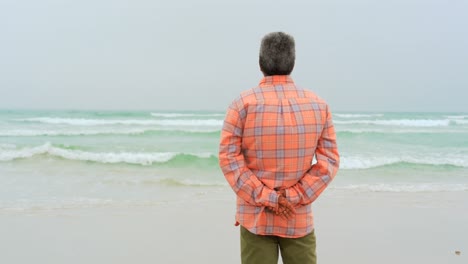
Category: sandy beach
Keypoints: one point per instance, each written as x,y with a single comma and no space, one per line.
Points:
350,227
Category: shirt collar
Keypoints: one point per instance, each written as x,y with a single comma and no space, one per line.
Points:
276,79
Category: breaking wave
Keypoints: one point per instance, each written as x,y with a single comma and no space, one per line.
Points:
139,158
369,163
172,115
10,152
105,131
141,122
357,115
404,122
405,187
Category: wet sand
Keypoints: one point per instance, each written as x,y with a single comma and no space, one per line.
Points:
350,227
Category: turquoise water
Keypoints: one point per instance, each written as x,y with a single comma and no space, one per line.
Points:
87,158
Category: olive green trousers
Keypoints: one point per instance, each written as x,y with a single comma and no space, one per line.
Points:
258,249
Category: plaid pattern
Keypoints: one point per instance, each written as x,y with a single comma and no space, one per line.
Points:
269,138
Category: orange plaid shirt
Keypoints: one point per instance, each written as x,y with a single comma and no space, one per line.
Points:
269,138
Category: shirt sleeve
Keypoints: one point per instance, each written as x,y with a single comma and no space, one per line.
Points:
317,178
245,184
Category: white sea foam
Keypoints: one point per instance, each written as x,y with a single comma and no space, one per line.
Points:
170,115
12,154
461,122
356,162
147,158
49,132
7,146
141,122
457,116
365,163
357,115
102,157
405,187
400,130
398,122
90,132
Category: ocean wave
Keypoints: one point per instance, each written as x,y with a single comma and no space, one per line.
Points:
177,159
167,182
212,122
460,122
172,115
139,158
403,122
351,163
357,115
106,131
457,116
164,131
405,187
7,146
49,132
140,122
344,131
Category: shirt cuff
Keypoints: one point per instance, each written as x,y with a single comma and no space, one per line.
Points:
291,195
273,199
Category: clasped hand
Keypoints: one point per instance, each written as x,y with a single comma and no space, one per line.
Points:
285,209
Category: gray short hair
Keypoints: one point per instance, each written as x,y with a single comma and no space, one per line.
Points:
277,54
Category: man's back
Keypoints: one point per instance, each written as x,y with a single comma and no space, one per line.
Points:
278,129
282,125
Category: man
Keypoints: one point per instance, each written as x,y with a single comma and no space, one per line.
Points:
270,135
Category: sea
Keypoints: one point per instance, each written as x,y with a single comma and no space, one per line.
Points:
53,160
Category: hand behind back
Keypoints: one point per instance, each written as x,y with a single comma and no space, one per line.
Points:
285,209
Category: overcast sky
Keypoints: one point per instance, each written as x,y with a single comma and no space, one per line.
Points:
359,55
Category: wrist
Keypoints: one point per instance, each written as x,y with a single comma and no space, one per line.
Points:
282,192
282,200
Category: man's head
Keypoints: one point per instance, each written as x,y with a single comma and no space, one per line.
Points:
277,54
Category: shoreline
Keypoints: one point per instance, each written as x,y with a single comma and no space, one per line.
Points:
353,227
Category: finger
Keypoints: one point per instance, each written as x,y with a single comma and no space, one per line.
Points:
291,212
285,213
271,208
275,211
279,210
286,203
288,215
286,210
285,217
290,207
